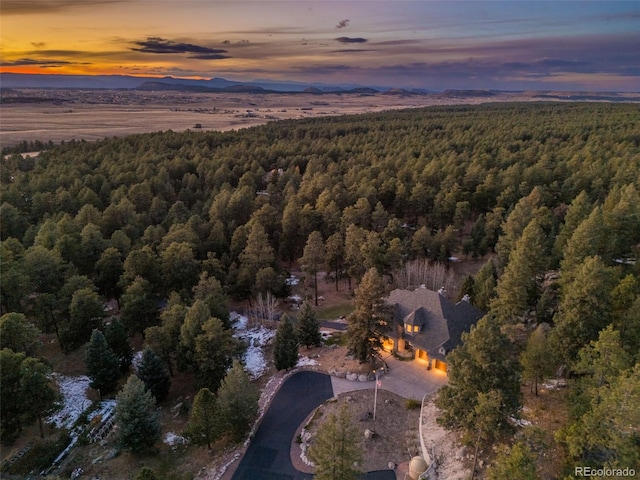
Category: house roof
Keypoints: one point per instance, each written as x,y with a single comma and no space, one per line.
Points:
441,322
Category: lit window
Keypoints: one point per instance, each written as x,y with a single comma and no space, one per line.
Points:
416,329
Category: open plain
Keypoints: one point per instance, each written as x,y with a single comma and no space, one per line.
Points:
64,115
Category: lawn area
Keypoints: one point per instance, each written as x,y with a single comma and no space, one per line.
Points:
334,310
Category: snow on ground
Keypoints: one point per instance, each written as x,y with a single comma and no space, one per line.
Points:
172,439
554,384
305,361
256,338
292,280
136,360
74,398
105,410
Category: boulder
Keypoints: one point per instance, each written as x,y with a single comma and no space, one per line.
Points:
363,378
369,434
352,377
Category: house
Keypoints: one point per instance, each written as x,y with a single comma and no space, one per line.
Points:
426,325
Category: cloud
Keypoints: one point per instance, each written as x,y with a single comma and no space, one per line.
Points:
162,45
342,24
26,7
210,56
352,50
351,40
30,62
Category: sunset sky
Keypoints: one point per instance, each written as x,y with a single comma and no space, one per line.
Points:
510,45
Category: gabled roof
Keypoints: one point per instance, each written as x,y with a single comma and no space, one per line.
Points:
442,322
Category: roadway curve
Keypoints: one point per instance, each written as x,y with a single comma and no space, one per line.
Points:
268,456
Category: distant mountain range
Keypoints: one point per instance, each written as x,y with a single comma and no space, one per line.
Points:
20,80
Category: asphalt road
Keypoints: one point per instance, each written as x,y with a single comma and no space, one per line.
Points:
268,455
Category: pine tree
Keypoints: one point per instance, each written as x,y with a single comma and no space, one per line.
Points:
203,426
139,308
146,473
515,462
369,320
136,416
484,362
484,287
307,327
537,361
195,317
39,393
237,402
285,347
313,258
585,308
118,341
215,348
154,374
18,333
336,449
85,314
103,367
518,286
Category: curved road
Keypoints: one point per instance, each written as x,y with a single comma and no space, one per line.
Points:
268,455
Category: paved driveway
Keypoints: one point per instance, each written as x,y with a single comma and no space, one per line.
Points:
407,379
268,455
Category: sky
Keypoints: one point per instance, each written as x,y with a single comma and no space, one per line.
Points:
435,45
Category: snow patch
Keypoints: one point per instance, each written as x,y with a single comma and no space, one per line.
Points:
173,439
305,361
292,280
256,338
554,384
520,422
74,398
136,360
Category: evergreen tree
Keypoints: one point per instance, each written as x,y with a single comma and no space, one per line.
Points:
154,374
336,449
103,367
484,286
307,327
335,255
588,239
369,320
196,316
145,473
237,402
18,334
576,213
313,258
585,308
137,417
484,362
466,288
85,315
109,268
39,393
537,359
257,254
215,348
139,307
203,426
210,291
285,347
11,394
118,341
518,286
515,462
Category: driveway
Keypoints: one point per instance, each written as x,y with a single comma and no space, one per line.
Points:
409,379
268,455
